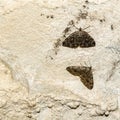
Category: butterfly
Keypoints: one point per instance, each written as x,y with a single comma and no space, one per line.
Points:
85,74
79,38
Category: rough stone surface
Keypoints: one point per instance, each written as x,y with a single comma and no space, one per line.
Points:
34,83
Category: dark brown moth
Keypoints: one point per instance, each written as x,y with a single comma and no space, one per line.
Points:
85,74
79,38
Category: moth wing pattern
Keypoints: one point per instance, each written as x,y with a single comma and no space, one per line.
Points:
85,74
71,41
79,39
86,77
73,70
85,40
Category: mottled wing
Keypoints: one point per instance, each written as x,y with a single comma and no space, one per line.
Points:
85,40
85,74
79,38
87,77
71,41
74,70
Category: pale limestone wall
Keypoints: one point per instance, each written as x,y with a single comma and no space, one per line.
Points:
34,83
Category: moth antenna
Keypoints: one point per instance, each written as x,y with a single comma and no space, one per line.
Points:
88,64
80,29
80,64
86,27
89,61
76,27
93,69
85,64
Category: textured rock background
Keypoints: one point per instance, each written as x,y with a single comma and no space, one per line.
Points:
34,83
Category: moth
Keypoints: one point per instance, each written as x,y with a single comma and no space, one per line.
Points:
79,38
85,74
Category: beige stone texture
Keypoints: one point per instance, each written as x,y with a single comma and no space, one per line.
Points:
34,82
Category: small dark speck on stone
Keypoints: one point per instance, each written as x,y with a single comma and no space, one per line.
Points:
102,20
84,6
86,1
52,16
41,14
66,30
71,22
47,16
64,35
112,27
84,15
57,44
